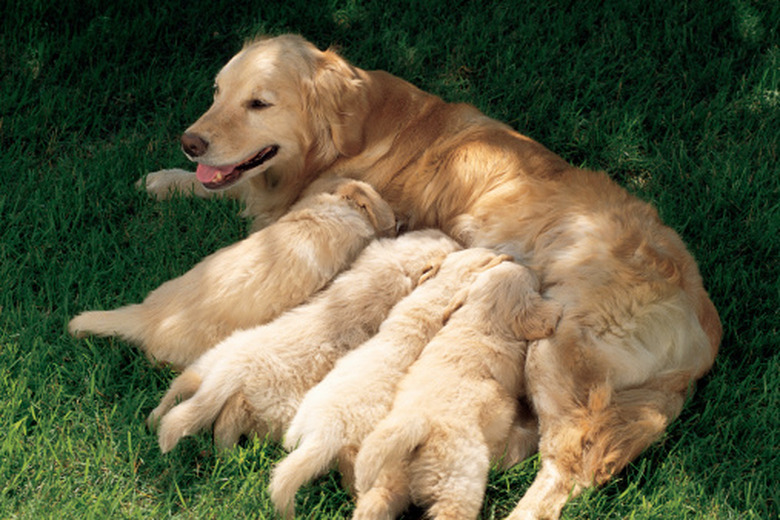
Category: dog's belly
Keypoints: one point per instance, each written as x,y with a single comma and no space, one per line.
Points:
628,286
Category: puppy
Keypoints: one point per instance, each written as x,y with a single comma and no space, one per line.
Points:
253,281
456,407
263,373
342,409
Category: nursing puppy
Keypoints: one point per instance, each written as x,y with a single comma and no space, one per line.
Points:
341,410
456,408
639,327
253,281
262,374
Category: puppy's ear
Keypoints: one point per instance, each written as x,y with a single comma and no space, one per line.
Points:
378,212
341,96
456,303
431,268
538,318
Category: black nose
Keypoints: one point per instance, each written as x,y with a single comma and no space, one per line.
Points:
194,145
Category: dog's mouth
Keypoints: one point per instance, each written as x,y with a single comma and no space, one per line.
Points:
220,177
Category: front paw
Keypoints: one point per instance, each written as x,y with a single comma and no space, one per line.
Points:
164,183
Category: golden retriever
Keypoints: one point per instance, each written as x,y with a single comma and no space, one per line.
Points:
272,366
252,281
638,327
456,408
341,410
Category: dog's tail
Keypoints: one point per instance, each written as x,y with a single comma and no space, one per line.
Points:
199,411
126,322
393,438
310,459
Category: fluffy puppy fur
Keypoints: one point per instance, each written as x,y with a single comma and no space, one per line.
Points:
268,369
251,282
457,407
336,414
639,327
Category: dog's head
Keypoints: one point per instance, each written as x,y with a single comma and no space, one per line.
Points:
282,109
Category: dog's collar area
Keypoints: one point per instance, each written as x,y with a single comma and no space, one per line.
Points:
214,178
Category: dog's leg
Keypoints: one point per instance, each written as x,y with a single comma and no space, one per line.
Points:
164,183
549,492
589,432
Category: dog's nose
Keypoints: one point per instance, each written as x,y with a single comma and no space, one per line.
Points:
194,145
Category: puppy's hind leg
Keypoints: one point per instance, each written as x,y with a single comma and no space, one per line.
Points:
523,438
236,419
451,477
182,388
128,322
388,497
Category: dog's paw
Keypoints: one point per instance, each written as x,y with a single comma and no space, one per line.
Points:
163,183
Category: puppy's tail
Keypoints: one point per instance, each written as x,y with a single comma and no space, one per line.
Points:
309,460
393,438
200,410
126,322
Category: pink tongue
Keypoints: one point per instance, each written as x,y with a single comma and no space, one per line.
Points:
206,174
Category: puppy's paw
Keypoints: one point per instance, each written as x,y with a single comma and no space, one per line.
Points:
163,183
153,419
82,325
173,427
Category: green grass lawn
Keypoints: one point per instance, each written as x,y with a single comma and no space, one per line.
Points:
678,101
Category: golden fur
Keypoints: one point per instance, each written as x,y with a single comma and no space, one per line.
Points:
341,410
252,281
457,407
638,327
269,368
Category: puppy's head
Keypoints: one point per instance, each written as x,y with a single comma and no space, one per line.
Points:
509,293
360,196
464,265
371,204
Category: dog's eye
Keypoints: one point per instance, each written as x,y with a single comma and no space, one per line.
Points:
258,104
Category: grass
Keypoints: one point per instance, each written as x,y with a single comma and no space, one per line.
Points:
678,101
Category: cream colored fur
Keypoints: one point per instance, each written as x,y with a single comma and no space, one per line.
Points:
639,327
457,407
269,368
253,281
336,414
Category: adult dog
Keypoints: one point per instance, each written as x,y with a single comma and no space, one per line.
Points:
638,327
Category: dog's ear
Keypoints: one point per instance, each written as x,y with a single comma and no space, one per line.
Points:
379,212
537,317
341,95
